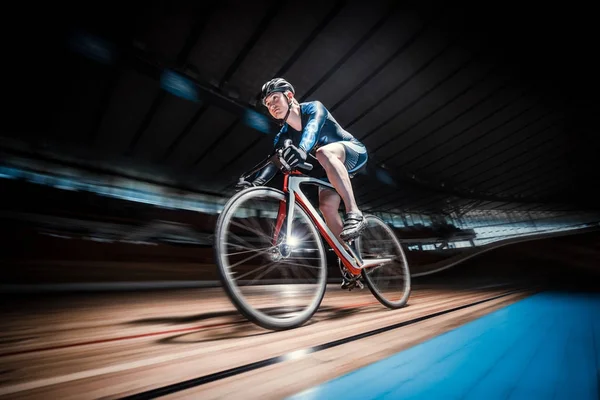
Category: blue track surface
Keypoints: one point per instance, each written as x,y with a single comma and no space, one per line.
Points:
544,347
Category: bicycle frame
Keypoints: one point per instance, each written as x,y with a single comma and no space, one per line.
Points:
291,188
294,194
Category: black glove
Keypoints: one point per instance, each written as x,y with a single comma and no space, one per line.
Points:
294,156
241,185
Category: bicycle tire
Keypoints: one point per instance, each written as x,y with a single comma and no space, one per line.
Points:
229,286
402,263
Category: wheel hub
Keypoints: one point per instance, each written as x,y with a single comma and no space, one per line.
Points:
285,250
275,254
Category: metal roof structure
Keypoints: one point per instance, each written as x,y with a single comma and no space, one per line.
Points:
459,107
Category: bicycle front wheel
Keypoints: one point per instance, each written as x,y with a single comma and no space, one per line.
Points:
390,281
275,281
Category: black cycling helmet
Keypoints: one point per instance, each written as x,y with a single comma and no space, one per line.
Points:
275,85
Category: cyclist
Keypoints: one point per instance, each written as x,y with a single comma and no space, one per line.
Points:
315,132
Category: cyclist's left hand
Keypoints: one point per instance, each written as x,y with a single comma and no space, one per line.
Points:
293,156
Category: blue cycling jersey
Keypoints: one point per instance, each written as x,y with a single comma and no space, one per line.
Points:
319,129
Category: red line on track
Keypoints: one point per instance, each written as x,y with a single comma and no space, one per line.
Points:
98,341
142,335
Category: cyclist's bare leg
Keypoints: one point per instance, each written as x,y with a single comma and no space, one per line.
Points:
329,204
332,157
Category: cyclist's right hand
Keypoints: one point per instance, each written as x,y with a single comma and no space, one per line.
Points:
242,184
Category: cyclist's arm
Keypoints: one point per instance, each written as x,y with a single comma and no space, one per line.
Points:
268,172
265,175
317,114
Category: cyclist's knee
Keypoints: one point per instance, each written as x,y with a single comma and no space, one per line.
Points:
323,155
331,151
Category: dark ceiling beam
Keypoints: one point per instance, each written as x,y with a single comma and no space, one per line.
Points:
333,12
182,59
373,191
427,136
486,134
520,170
434,111
505,161
452,204
433,209
527,182
503,151
452,192
113,80
120,61
546,185
487,116
260,29
248,46
378,25
158,99
548,170
381,201
416,203
214,144
381,66
184,132
205,13
532,181
150,66
400,85
236,157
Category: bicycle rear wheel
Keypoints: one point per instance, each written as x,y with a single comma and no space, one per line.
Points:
274,286
389,282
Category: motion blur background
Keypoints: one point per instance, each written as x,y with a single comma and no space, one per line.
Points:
126,126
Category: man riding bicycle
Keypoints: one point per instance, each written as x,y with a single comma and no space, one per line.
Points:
313,130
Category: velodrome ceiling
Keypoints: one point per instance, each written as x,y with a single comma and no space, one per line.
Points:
491,107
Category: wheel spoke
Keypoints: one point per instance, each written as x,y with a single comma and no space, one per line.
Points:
261,250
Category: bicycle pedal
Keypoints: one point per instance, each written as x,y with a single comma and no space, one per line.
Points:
349,285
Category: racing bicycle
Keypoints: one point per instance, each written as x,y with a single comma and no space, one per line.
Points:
273,264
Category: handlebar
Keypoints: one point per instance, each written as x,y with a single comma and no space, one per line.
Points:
277,158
